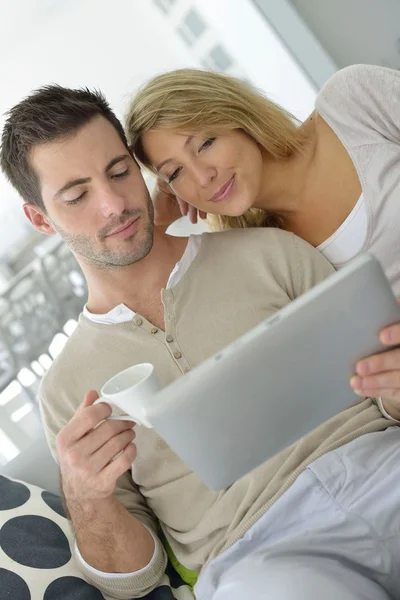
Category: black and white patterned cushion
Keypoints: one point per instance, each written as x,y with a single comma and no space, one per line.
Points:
36,562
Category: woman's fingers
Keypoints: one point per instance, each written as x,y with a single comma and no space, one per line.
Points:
192,214
184,206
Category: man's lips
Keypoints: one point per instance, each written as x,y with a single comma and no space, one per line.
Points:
224,191
126,229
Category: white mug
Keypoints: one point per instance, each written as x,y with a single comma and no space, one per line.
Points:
130,391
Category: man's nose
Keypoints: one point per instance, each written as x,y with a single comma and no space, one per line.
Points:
111,203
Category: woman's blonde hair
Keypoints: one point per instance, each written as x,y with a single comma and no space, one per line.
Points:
193,101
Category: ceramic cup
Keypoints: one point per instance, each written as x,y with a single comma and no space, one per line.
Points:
130,391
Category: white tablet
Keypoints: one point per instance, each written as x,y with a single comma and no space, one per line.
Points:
280,380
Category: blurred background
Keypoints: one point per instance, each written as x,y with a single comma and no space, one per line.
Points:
288,48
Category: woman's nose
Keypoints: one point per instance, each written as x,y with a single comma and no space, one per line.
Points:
205,174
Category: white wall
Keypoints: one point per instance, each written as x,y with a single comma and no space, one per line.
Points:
261,54
355,31
299,39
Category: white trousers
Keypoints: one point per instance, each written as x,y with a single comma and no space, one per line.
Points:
334,535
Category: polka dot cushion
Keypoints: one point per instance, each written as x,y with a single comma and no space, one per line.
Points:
36,561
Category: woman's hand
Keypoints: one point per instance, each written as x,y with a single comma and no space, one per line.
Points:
188,209
379,375
168,208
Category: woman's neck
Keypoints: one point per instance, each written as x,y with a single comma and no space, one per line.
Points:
284,181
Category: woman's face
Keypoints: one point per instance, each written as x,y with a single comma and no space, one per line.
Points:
220,174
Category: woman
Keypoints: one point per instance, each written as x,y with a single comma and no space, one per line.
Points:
334,180
216,143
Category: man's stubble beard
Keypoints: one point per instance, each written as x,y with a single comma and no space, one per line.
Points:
106,258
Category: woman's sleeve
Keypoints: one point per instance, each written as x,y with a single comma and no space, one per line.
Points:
361,103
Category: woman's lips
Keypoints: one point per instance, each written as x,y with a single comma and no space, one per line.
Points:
224,191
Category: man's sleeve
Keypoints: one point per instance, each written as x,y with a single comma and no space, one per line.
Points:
117,585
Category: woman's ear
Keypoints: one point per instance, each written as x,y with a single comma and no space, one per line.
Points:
39,219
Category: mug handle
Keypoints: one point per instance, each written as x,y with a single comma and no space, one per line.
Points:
102,400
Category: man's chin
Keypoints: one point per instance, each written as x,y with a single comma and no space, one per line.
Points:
107,254
107,262
125,258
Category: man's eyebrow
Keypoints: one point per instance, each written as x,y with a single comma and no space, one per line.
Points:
167,160
70,185
74,182
116,160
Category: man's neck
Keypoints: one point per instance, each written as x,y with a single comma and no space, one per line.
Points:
132,285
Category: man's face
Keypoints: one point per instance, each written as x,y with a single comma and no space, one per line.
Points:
95,196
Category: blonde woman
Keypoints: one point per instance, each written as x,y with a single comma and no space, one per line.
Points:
226,149
221,146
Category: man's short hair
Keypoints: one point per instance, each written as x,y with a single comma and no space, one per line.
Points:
48,114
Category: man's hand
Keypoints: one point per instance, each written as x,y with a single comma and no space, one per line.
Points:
93,452
379,375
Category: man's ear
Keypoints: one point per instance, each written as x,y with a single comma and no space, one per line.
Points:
38,219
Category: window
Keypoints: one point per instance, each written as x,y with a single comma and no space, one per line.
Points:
164,5
218,59
192,27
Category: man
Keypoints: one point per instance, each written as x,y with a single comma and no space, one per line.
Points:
169,301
